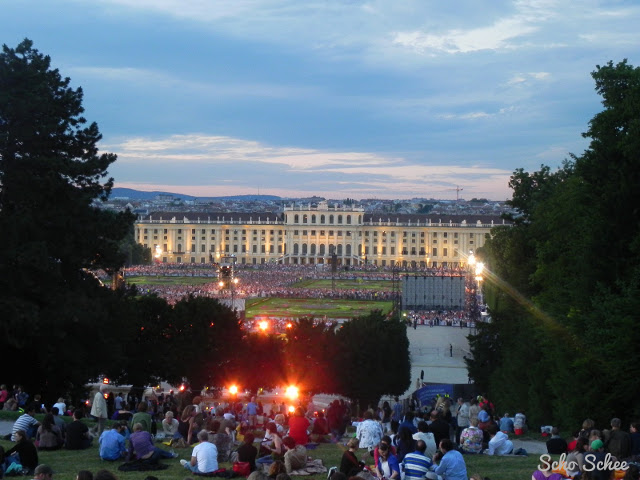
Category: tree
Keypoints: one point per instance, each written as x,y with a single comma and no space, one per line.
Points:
372,358
50,175
566,278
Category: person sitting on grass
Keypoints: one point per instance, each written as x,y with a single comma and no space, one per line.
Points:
247,452
26,451
499,443
204,457
142,417
272,451
142,446
112,443
27,423
295,456
49,436
387,466
451,466
78,437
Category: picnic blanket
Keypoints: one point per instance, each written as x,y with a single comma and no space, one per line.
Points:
311,468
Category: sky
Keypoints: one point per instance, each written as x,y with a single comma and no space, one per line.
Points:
388,99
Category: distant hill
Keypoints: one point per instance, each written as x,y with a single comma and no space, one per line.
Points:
140,195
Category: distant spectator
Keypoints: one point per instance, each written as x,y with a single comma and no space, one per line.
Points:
556,445
49,436
619,442
506,424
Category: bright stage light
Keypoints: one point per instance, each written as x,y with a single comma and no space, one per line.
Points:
264,325
233,390
292,392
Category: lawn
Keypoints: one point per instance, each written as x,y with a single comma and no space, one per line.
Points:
319,307
67,463
346,284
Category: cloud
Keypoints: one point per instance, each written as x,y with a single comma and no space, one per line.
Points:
195,148
204,164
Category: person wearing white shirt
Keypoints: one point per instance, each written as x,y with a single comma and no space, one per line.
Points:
499,444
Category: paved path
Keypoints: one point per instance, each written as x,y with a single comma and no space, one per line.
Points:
430,352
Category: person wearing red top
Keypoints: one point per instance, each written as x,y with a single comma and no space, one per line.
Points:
298,426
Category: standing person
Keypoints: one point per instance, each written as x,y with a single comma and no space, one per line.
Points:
368,432
398,410
451,466
386,416
99,408
462,417
204,457
112,443
252,412
118,402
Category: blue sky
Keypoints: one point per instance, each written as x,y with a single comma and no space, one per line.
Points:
337,98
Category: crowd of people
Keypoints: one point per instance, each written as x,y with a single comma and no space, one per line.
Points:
399,439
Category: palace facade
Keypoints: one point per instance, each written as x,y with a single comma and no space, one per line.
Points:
312,234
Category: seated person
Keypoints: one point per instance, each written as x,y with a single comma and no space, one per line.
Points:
506,424
499,443
142,446
26,450
142,417
471,438
349,464
112,443
204,457
295,456
170,426
26,422
556,445
320,428
49,436
247,452
78,437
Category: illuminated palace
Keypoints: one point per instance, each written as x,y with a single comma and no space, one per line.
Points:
311,234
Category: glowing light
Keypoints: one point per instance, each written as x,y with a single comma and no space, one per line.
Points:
158,252
233,390
182,388
221,284
105,380
292,392
289,325
263,325
235,280
292,409
479,268
105,395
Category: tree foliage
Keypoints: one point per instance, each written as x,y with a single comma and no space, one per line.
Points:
566,286
55,315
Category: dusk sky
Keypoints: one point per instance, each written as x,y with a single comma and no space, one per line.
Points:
336,98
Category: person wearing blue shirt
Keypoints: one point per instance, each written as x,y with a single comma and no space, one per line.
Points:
112,443
388,467
452,466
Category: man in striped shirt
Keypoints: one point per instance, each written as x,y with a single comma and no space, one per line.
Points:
26,422
417,465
